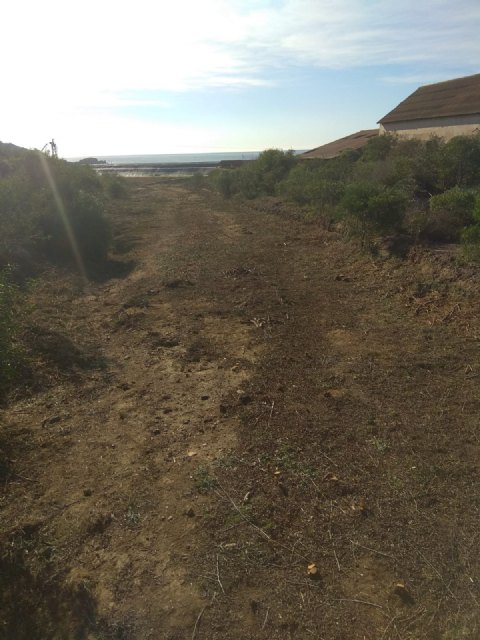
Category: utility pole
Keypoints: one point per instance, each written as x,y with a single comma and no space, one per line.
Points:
53,147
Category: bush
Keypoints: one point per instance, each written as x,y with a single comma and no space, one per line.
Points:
43,200
85,220
115,186
389,185
449,213
471,235
259,177
224,181
461,161
372,209
307,186
197,181
9,352
378,147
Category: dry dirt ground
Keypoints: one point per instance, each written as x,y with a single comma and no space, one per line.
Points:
242,428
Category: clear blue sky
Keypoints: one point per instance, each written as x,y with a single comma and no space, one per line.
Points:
163,76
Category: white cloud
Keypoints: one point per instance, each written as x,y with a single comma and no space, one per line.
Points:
63,59
158,44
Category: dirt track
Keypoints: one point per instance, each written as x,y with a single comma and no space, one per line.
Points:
251,397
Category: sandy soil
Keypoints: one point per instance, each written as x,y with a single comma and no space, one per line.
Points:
238,397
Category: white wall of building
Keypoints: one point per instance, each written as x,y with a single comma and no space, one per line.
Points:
442,127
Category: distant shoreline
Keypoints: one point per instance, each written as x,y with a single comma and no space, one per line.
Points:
173,165
173,169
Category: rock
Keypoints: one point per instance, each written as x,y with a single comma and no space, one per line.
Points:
190,513
87,492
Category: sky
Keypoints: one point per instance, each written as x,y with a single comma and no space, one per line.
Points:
109,77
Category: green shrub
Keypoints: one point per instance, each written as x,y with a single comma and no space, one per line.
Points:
43,200
378,147
471,235
259,177
372,209
310,188
115,186
9,352
272,166
224,181
449,213
461,161
197,181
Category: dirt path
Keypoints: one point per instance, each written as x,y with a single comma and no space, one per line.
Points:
250,398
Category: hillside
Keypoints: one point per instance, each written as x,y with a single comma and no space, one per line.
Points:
242,395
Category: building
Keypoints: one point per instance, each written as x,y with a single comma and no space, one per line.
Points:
445,109
334,149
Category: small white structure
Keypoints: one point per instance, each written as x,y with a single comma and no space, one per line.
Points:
445,109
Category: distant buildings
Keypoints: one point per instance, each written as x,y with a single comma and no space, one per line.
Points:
445,109
333,149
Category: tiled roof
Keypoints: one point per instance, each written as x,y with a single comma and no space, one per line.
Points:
333,149
451,98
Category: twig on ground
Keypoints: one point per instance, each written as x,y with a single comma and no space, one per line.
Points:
329,459
199,617
370,604
218,577
447,587
271,413
263,533
19,475
197,621
266,618
388,625
380,553
336,559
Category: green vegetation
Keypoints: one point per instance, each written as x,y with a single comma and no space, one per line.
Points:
471,234
10,357
51,211
426,190
257,178
48,206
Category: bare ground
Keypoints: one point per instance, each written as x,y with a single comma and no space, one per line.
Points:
239,396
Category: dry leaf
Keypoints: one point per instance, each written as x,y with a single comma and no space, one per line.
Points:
312,571
330,477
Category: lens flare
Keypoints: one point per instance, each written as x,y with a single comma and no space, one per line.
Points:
64,217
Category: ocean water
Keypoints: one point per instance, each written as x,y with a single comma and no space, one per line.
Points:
181,158
164,164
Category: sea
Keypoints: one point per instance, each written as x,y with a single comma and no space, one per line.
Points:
167,164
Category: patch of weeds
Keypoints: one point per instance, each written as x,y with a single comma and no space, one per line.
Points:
138,300
87,585
132,516
234,518
230,461
288,459
202,480
285,457
378,443
397,483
